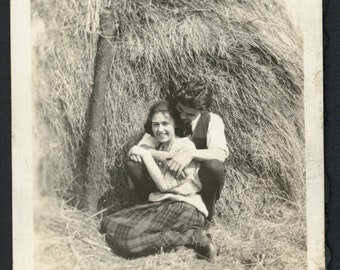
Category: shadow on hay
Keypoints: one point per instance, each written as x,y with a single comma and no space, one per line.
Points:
118,194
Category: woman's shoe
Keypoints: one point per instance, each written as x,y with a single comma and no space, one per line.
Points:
204,245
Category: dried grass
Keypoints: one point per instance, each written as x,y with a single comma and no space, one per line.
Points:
67,238
245,50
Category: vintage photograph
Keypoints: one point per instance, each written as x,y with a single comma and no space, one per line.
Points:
169,134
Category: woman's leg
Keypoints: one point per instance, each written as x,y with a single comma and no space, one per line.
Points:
148,229
140,179
211,174
136,244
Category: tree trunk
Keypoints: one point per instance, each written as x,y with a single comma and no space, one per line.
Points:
93,154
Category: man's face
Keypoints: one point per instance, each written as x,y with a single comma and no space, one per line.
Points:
187,114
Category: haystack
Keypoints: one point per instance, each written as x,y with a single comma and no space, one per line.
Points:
245,50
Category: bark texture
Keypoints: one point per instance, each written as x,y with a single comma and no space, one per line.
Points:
93,154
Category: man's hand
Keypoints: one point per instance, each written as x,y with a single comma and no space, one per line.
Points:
178,162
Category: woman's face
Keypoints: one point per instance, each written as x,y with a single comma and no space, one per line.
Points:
163,127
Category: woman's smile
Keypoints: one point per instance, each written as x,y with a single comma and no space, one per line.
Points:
162,134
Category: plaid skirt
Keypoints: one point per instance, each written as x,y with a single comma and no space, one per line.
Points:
149,228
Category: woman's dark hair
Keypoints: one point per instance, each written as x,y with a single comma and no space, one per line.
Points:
196,94
165,107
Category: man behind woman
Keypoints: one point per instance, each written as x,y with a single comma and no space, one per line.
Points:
165,170
206,130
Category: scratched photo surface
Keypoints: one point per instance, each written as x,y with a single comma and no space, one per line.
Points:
98,66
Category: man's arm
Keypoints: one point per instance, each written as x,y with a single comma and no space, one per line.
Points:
216,144
216,139
148,142
182,159
209,154
156,154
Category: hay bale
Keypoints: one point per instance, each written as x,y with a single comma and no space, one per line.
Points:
245,50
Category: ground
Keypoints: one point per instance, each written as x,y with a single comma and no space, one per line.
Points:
66,238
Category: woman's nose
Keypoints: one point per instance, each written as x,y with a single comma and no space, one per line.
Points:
160,128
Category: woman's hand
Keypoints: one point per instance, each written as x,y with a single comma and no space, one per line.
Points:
137,153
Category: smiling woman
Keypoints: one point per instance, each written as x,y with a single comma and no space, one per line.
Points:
175,211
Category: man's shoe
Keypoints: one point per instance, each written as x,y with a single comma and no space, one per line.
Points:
209,224
203,245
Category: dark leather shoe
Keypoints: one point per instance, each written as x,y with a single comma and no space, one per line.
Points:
209,224
203,245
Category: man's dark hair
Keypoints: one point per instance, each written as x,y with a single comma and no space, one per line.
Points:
165,107
195,94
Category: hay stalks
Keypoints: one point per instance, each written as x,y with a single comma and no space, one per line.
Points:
245,50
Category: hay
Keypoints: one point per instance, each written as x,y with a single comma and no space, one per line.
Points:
245,50
66,238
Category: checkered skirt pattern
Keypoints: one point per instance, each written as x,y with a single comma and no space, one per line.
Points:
149,228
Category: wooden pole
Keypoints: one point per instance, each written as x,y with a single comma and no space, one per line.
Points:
92,160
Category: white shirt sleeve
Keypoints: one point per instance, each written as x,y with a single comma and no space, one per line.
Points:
148,140
215,135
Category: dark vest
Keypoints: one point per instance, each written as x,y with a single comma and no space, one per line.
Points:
199,136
